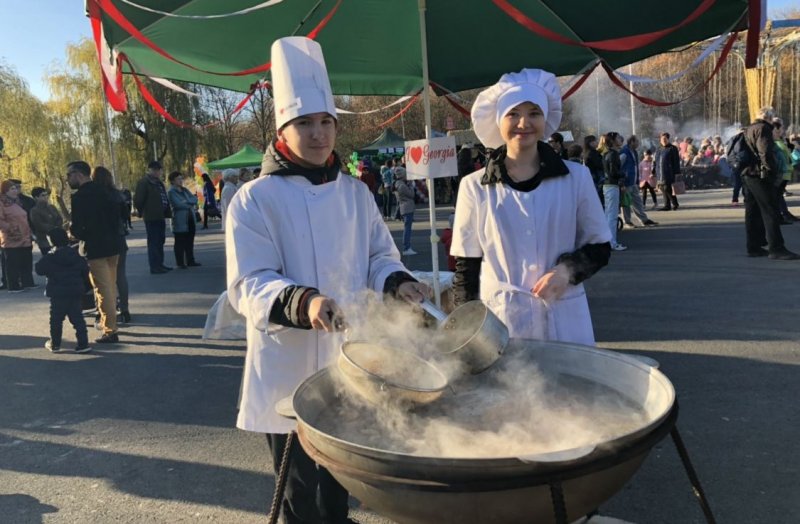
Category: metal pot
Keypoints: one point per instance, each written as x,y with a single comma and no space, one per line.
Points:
472,333
430,489
381,374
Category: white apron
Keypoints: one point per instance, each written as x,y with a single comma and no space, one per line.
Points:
285,231
520,236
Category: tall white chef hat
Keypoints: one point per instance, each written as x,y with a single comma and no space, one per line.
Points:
529,85
300,84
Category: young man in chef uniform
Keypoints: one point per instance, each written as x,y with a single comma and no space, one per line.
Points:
299,238
529,228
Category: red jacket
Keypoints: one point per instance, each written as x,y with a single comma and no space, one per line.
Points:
14,228
447,240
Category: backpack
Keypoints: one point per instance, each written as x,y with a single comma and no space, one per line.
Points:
739,155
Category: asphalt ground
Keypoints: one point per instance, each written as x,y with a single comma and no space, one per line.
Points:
143,431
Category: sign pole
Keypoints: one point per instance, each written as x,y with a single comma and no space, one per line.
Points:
426,100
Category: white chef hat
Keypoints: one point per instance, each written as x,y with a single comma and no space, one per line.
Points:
529,85
300,84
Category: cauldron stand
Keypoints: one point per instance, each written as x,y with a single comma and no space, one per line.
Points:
554,482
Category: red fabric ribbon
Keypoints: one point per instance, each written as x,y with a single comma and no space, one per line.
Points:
649,101
458,107
405,108
625,43
115,93
579,83
156,105
753,33
116,15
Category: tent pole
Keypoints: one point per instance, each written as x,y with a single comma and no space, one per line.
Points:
426,99
633,105
110,140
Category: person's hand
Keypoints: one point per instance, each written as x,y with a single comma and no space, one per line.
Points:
413,291
553,284
324,314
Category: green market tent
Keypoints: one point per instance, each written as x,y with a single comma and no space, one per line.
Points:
247,156
374,46
397,47
388,139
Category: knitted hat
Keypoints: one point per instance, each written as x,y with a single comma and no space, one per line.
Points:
529,85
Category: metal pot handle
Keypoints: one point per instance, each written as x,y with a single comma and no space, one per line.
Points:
547,311
285,407
430,308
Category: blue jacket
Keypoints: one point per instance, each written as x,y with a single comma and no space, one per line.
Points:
183,204
630,165
67,273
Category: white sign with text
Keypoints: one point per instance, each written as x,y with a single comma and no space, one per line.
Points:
433,158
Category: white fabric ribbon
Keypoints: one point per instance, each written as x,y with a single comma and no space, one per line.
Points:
715,45
262,5
398,101
166,83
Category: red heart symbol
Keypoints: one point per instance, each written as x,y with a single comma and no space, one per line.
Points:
416,154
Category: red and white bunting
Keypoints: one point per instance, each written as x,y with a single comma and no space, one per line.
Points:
262,5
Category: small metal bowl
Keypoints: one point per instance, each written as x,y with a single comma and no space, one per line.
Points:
381,374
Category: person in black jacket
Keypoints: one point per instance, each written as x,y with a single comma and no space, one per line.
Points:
614,185
96,223
667,165
102,176
556,141
761,179
593,160
66,273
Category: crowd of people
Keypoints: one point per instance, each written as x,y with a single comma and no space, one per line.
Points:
84,250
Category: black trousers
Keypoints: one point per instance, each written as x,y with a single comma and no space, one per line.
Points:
184,245
670,200
782,207
122,278
761,215
645,189
61,307
312,495
4,281
19,267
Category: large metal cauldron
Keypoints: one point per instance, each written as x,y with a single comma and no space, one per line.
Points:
413,489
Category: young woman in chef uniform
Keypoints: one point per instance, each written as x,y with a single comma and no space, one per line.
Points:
529,227
297,238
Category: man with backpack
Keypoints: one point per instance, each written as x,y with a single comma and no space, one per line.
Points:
736,155
760,177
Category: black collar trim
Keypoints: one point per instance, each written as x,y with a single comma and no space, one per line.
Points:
550,166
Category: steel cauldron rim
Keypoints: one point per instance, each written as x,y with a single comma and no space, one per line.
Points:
601,449
560,472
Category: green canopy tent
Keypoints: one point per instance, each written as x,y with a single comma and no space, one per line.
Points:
467,44
248,156
387,140
455,45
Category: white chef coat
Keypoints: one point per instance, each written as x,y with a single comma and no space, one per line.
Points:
520,235
283,231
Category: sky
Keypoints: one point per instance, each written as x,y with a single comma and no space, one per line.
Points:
34,35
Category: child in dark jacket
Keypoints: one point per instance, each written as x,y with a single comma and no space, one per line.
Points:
66,273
